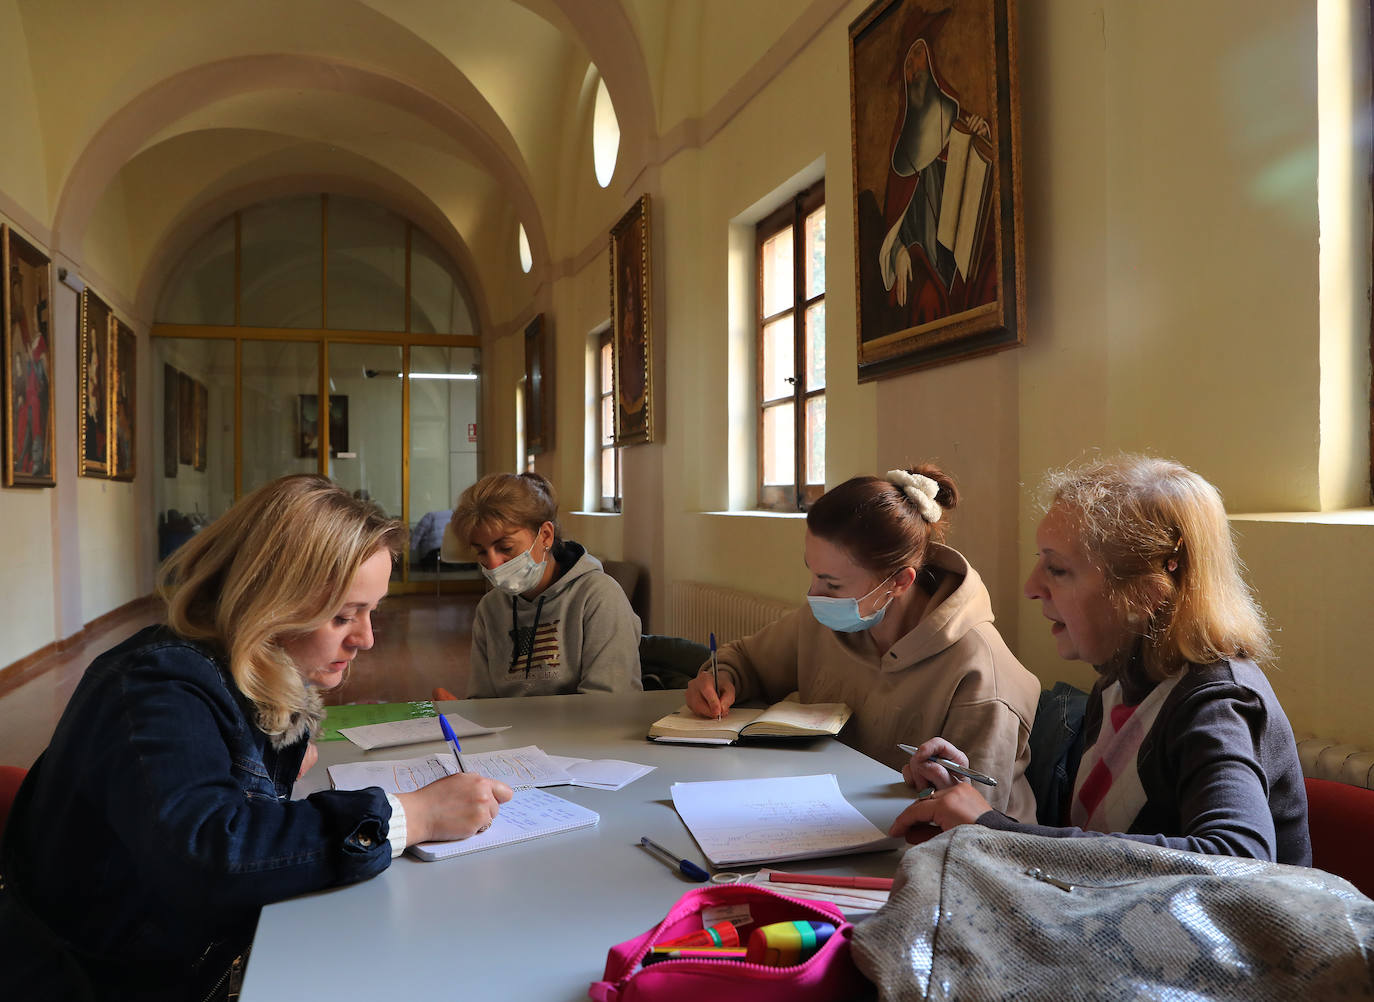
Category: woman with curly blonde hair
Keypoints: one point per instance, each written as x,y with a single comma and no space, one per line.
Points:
165,793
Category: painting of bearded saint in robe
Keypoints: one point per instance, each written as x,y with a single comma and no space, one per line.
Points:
938,256
31,444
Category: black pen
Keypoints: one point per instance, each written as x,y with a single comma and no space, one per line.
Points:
954,767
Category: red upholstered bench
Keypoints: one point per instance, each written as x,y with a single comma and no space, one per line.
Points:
1340,819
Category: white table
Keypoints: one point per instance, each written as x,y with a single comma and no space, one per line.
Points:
533,921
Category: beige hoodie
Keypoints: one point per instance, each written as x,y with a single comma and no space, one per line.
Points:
951,676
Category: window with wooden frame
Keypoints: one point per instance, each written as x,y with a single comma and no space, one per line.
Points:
791,352
608,456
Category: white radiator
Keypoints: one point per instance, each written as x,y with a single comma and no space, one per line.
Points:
697,610
1324,759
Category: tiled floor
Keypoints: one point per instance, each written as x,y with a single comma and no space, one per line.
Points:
421,641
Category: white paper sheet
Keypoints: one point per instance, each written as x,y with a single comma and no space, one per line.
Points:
600,773
518,768
397,776
413,731
771,820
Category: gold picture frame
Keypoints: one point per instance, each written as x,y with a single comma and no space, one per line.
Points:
123,401
632,330
93,415
25,307
936,141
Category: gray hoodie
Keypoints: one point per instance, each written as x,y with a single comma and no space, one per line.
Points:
578,635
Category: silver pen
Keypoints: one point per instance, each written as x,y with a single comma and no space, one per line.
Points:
954,767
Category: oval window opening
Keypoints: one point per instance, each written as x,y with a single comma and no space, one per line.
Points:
605,135
526,260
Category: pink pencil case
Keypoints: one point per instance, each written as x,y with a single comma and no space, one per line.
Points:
827,976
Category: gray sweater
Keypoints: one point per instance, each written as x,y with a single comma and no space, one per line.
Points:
1220,769
578,635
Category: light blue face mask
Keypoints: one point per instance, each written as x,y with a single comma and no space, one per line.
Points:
842,614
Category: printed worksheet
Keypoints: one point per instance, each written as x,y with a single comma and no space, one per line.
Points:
405,776
518,768
770,820
601,773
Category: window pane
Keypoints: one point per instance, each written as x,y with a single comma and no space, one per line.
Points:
815,253
280,380
443,426
201,290
199,482
365,422
778,451
607,420
438,304
283,283
815,440
367,267
815,346
606,386
608,473
779,359
777,272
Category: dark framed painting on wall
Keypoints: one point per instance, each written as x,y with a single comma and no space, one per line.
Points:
936,142
28,369
186,419
631,316
538,387
123,397
202,423
171,421
93,378
308,424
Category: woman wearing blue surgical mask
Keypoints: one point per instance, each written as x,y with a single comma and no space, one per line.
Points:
553,622
898,627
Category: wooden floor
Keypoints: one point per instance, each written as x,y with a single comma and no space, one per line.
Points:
421,641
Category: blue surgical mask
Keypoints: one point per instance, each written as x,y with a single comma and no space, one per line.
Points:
842,614
518,574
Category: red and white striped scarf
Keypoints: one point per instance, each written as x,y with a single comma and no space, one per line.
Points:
1107,793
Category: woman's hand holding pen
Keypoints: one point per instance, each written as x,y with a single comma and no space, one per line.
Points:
453,807
945,801
704,701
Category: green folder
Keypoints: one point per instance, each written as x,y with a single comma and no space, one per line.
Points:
357,714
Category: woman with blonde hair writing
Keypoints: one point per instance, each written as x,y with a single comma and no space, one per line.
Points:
158,821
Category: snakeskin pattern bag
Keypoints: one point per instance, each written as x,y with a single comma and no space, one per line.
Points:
982,914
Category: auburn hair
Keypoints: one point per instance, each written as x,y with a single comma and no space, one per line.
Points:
881,529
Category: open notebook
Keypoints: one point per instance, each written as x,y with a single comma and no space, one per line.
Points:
529,814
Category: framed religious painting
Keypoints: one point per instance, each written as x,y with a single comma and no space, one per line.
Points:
171,420
202,409
631,316
538,387
93,377
186,419
28,370
308,424
938,234
123,397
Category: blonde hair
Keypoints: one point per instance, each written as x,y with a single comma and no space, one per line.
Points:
523,500
276,565
1160,535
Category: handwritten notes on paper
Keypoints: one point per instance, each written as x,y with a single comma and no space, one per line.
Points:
405,776
531,814
771,820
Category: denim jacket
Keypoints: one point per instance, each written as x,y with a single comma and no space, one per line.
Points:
157,823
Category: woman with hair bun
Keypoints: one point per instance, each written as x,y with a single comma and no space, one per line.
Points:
899,627
554,622
1186,744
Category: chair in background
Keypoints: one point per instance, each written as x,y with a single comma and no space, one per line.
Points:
10,778
1340,820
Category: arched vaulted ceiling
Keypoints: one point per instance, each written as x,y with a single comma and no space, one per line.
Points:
162,116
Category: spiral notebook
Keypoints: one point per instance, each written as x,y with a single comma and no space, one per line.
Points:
529,814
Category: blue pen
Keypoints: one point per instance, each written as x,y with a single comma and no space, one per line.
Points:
684,866
452,739
715,671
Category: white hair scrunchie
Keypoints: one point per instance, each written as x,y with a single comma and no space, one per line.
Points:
920,490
